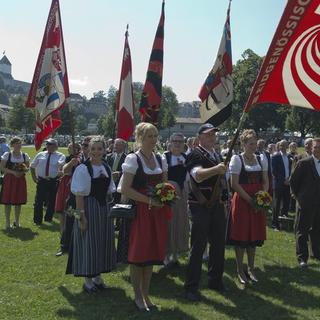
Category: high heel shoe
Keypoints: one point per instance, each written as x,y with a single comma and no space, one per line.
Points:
242,278
251,276
141,309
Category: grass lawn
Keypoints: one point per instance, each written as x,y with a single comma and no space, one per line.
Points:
33,284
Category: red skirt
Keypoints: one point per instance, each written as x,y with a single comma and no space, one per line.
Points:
148,235
63,194
247,225
14,190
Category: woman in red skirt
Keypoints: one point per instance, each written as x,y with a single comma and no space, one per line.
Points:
249,174
14,164
149,229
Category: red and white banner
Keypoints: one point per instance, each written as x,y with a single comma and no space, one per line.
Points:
49,89
125,106
290,73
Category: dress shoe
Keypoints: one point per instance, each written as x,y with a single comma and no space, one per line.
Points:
192,296
101,286
153,307
242,279
251,276
89,290
141,309
303,264
172,265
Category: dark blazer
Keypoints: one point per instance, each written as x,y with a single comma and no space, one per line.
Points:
269,162
278,170
110,159
305,183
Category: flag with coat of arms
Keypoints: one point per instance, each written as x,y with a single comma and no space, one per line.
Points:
49,89
216,94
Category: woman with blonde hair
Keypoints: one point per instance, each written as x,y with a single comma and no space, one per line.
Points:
249,174
148,232
14,187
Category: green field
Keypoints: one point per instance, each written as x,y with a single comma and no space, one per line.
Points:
33,284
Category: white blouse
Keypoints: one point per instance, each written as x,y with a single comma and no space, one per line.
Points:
81,179
175,160
15,159
235,165
130,164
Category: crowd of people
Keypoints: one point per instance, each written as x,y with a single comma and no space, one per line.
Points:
214,206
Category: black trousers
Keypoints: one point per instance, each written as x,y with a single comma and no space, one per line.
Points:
208,225
45,193
307,226
281,197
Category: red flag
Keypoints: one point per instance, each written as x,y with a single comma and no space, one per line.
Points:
290,73
216,94
152,91
125,106
49,89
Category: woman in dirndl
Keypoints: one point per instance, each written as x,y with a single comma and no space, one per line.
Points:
249,174
178,231
14,164
149,229
92,249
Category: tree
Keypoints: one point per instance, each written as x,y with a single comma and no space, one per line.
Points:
168,108
99,96
303,120
81,123
4,98
2,86
66,119
20,117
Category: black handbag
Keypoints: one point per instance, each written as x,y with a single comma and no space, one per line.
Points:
125,211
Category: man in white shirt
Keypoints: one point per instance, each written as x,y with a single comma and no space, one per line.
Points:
46,168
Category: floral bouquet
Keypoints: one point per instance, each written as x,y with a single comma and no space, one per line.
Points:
165,192
21,167
262,201
73,213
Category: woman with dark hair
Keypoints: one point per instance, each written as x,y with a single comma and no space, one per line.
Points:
14,164
92,249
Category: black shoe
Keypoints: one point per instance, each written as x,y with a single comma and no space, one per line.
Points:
172,265
60,252
88,290
192,296
303,264
153,307
101,286
217,287
141,309
38,223
251,276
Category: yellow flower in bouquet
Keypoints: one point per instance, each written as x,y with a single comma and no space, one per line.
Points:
262,201
165,192
21,167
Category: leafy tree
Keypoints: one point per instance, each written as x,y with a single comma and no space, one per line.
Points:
67,120
2,86
4,98
81,123
100,96
168,108
20,117
303,120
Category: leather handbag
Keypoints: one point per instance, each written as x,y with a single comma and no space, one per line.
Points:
125,211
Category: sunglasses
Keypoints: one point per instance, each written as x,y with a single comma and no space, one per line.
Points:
177,141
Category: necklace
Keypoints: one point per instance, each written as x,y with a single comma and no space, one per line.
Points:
147,158
249,159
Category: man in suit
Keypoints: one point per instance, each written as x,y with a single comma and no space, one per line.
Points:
305,186
281,170
115,161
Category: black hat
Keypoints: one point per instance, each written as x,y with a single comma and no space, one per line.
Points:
207,127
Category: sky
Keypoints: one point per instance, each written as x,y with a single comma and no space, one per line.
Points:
94,38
